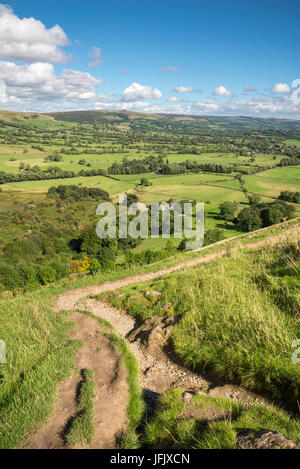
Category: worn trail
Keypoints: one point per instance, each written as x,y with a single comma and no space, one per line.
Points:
159,371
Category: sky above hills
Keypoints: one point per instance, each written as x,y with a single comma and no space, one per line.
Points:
217,57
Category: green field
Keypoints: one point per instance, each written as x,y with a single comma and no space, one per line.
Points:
32,139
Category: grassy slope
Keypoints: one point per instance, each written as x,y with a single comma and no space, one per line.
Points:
169,430
38,353
238,317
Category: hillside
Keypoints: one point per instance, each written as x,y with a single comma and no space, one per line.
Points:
253,278
176,122
168,347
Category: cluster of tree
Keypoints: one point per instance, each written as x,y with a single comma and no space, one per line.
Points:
151,164
74,192
149,256
195,167
36,259
52,172
91,150
292,161
290,196
55,157
258,215
28,275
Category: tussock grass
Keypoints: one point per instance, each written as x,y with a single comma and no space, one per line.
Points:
82,428
168,429
136,406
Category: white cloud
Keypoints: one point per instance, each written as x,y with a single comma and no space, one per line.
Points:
138,92
170,68
183,89
28,39
95,64
222,91
174,99
95,53
37,81
3,96
281,88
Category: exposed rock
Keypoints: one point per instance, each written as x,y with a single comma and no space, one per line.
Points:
231,391
264,440
187,396
153,292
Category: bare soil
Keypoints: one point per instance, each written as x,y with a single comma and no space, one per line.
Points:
111,399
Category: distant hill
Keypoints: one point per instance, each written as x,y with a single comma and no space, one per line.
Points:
171,123
11,116
163,122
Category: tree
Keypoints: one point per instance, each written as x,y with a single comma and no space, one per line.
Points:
105,250
132,199
145,182
249,219
276,212
228,210
213,236
254,199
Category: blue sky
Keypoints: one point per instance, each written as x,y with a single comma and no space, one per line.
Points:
234,57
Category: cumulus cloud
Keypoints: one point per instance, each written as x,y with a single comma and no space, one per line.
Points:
249,89
38,81
223,91
138,92
281,88
174,99
170,68
183,89
3,96
28,39
95,53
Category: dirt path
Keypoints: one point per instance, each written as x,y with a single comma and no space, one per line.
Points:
158,369
68,300
111,391
159,372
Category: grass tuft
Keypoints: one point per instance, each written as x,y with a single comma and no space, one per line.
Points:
82,428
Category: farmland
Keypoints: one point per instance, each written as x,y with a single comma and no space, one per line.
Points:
79,143
234,316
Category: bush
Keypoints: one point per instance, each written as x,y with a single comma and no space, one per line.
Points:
10,277
46,274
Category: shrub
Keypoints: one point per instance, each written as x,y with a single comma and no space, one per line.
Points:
46,274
